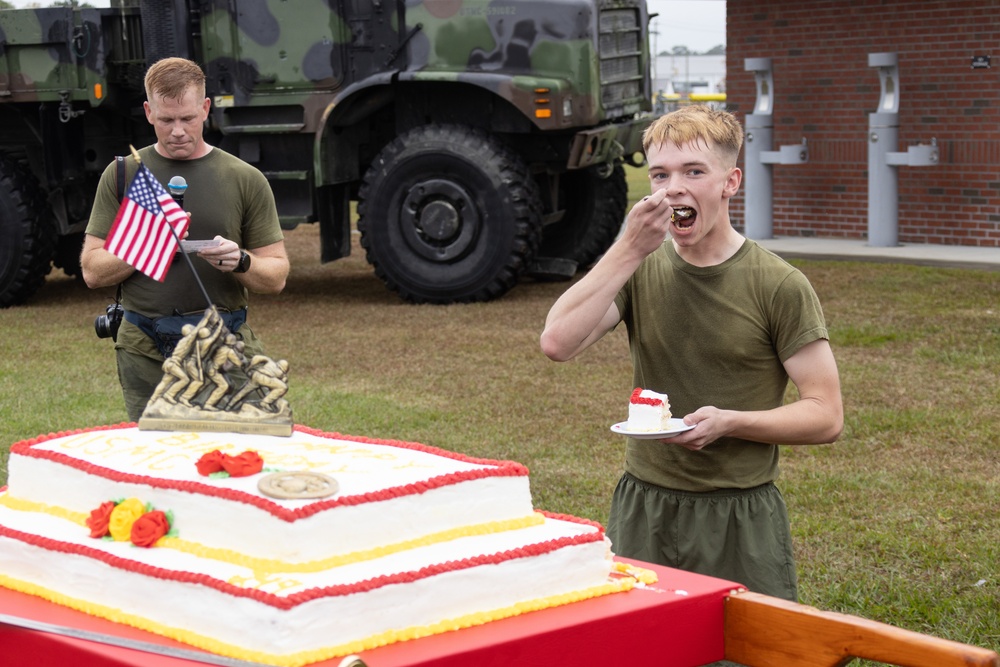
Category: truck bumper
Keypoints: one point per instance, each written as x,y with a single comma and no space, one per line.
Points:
607,143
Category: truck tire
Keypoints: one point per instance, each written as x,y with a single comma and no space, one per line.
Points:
594,212
448,214
27,241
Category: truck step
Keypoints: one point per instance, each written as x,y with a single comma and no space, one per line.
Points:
552,268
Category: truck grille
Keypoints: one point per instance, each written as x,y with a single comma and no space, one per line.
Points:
126,38
621,38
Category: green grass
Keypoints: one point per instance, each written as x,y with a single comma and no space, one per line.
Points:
897,522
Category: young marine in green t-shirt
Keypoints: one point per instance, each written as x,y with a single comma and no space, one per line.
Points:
720,325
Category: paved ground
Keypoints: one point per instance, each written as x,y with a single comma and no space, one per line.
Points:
969,257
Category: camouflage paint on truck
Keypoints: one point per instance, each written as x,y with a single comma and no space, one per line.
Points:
69,68
482,140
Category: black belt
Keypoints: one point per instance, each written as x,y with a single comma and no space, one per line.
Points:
167,331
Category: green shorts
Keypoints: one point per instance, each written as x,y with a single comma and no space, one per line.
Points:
741,535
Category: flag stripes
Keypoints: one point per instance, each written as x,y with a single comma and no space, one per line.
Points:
148,227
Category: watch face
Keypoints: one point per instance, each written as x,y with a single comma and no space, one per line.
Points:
244,262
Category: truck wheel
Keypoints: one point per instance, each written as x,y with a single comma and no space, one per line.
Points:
448,214
594,211
26,239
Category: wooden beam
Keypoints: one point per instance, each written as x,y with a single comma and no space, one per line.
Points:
763,631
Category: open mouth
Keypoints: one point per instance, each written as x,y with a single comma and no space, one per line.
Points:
682,217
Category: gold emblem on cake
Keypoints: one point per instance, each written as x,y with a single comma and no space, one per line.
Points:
298,484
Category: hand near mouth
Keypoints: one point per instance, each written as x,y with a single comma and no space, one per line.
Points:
648,223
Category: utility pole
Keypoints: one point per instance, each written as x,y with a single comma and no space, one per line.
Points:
655,32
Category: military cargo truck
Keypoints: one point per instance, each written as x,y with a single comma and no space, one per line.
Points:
482,140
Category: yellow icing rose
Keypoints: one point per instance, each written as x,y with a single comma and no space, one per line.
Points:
122,518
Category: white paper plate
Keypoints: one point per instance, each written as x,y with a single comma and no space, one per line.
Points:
676,426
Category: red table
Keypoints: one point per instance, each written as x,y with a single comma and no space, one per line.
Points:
678,622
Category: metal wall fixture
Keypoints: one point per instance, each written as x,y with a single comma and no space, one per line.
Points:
883,158
759,159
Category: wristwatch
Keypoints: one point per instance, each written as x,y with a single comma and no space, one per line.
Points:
244,264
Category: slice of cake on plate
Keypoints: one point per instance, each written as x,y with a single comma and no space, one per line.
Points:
648,411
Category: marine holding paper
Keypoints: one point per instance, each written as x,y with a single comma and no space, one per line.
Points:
229,201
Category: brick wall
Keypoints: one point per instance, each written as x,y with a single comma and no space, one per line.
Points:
824,91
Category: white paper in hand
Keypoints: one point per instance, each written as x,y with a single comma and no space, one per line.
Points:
197,246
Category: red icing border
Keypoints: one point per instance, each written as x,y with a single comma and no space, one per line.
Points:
571,519
642,400
308,595
501,469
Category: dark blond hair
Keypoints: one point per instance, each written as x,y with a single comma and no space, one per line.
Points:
171,78
699,124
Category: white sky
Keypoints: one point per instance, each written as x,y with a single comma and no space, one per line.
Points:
696,24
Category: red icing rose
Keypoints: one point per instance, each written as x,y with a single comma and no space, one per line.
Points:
99,518
247,463
210,462
150,527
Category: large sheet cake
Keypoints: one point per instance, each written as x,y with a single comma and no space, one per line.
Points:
414,541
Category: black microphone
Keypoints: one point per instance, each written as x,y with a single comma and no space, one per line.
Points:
178,186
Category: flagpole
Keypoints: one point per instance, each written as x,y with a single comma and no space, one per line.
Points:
180,248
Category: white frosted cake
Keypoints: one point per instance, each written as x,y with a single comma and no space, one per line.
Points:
413,540
648,411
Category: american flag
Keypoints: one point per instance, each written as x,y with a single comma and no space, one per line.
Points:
141,233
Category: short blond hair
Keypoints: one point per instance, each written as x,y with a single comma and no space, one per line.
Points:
172,77
699,124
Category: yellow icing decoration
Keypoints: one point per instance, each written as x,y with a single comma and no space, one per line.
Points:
307,657
642,575
264,568
122,518
31,506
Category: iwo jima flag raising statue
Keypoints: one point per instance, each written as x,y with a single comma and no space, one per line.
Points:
197,391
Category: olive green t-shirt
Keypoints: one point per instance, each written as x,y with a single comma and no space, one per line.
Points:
225,197
715,336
